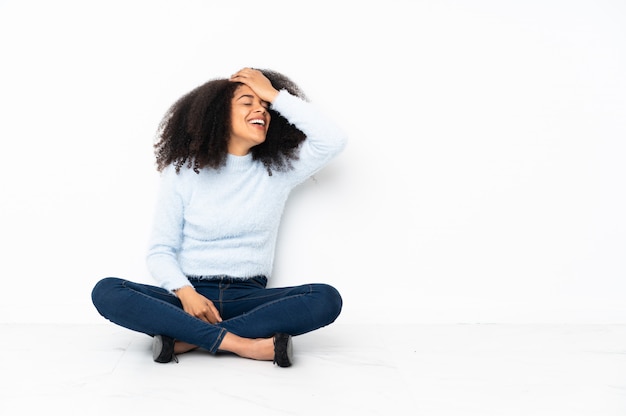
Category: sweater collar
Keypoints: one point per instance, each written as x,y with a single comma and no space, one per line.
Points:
238,163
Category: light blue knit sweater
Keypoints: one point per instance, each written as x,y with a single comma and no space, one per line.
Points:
225,222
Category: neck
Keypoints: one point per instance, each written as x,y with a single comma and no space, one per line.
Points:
238,150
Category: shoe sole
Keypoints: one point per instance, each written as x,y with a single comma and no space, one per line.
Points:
288,352
159,354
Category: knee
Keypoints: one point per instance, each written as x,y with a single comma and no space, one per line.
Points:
103,291
332,301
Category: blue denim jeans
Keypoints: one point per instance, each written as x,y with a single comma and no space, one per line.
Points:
248,308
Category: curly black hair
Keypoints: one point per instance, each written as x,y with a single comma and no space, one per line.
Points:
195,129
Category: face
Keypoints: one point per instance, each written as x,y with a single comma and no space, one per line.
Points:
249,119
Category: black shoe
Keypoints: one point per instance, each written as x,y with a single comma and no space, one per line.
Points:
283,350
163,349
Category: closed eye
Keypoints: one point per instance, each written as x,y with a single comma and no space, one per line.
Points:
265,104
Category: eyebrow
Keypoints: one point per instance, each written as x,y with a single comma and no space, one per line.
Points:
252,98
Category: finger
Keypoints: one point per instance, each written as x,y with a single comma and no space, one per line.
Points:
238,78
241,72
206,314
218,318
244,73
210,318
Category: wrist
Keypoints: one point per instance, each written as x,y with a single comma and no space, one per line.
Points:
183,290
272,96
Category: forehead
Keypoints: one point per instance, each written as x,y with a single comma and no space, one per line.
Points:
243,90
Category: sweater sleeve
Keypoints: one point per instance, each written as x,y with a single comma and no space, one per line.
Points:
166,237
325,139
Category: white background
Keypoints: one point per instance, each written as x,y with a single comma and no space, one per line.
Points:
484,179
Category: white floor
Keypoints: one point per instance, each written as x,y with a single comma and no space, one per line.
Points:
424,370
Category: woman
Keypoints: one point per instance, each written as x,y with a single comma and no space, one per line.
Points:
229,153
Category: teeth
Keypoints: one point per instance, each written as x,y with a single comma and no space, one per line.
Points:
257,121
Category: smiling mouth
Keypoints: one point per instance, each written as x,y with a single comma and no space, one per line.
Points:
258,122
